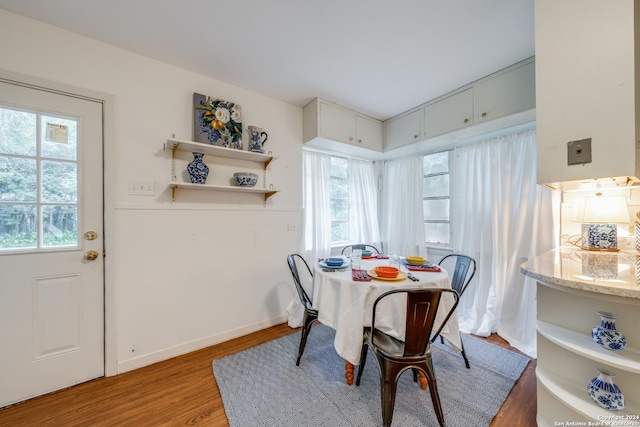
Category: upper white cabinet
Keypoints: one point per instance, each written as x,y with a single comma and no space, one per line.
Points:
587,87
449,114
368,133
325,122
506,93
404,129
336,123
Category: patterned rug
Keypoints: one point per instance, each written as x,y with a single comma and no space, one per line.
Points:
262,386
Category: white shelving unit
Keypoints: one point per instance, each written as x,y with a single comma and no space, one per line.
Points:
568,358
223,152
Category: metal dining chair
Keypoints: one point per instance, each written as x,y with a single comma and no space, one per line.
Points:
464,270
372,248
310,314
395,357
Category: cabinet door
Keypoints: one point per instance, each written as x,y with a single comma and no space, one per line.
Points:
403,130
449,114
369,133
337,123
508,93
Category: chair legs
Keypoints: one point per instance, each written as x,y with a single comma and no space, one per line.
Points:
363,359
309,318
464,355
389,374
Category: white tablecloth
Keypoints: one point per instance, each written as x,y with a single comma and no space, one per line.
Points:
346,306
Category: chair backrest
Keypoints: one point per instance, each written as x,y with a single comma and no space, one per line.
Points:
294,260
422,307
464,271
360,246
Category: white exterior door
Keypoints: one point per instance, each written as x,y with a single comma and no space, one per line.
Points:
51,242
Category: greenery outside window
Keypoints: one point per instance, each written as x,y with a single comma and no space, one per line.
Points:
436,198
339,200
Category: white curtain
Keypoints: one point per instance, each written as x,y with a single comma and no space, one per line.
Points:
402,213
316,217
363,203
502,218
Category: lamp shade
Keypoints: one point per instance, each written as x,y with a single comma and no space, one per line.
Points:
605,210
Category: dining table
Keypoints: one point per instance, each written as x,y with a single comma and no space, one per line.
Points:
345,303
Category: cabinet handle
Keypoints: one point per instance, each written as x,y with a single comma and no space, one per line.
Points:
350,138
466,120
415,136
484,114
359,141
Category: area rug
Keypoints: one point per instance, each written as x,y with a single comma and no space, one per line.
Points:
262,386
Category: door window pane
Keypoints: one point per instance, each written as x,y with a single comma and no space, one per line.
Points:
17,179
17,132
59,182
58,138
18,224
60,226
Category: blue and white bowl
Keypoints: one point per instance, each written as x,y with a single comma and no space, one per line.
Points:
245,179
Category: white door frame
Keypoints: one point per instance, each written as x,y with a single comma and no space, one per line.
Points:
110,337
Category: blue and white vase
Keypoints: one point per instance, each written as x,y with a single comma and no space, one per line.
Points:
198,171
605,392
606,335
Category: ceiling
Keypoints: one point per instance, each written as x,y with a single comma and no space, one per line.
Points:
378,57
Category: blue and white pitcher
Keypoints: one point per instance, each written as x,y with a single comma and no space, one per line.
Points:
257,138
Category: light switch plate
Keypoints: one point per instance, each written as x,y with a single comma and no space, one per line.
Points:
579,152
142,188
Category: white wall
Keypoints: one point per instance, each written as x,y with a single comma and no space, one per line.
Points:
209,266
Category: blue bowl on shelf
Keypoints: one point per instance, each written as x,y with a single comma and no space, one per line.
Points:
334,262
245,179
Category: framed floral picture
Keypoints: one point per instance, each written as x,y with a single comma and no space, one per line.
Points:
217,122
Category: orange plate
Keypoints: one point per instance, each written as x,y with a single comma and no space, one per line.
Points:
401,276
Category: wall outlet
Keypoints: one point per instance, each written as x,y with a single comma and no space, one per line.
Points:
579,152
142,188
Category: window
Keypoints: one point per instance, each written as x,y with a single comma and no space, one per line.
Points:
436,199
38,181
339,199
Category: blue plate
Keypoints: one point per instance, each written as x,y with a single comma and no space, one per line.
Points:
323,264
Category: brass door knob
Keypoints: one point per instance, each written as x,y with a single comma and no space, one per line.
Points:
91,255
90,235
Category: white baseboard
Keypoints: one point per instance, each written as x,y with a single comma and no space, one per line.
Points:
168,353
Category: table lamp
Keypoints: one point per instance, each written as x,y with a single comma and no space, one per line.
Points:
599,222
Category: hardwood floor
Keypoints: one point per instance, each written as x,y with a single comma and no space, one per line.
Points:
182,392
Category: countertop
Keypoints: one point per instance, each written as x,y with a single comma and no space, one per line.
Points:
612,273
